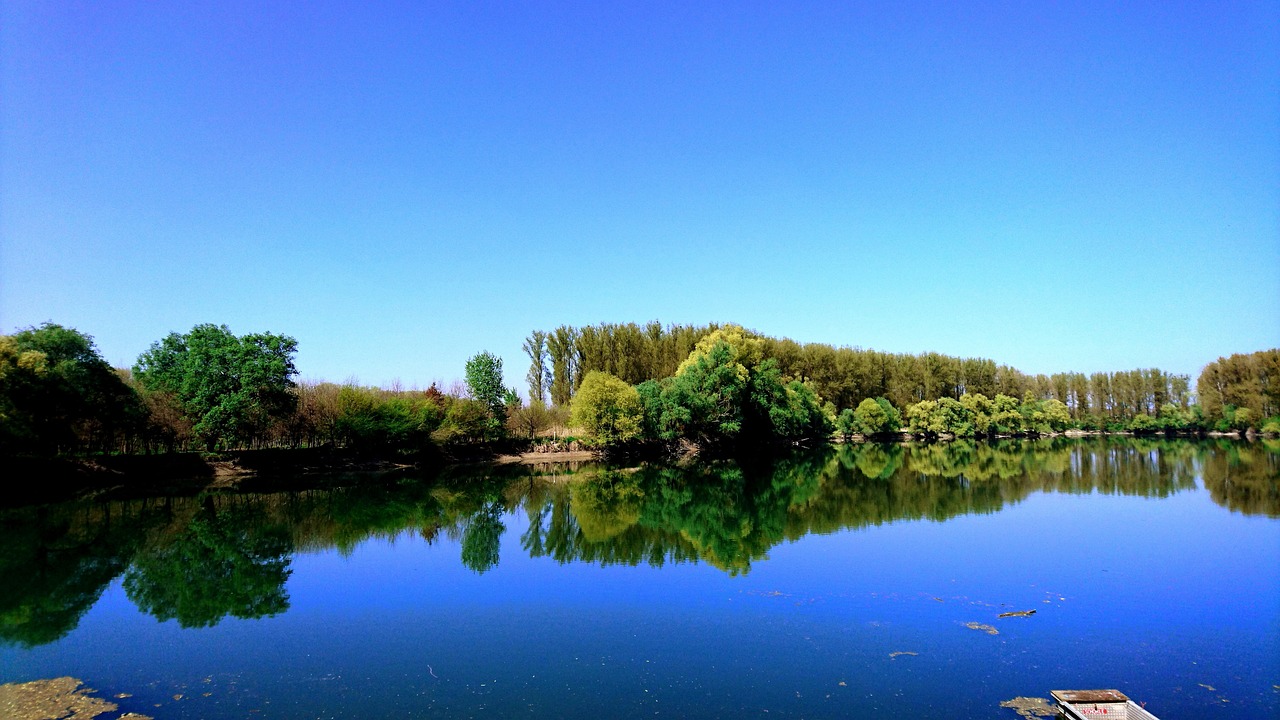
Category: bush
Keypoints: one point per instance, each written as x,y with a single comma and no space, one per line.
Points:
607,408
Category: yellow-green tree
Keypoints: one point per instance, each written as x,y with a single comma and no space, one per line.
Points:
606,408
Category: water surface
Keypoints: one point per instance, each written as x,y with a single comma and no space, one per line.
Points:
838,583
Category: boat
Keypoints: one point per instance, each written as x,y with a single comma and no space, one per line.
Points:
1095,704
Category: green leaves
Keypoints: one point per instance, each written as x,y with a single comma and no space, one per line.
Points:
58,394
230,386
484,381
727,392
607,408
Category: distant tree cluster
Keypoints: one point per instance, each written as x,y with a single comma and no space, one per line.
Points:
724,393
1242,391
846,376
210,389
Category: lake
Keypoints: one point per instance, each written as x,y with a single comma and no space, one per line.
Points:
856,581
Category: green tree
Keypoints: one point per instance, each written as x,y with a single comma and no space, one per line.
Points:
705,401
871,417
231,387
1056,414
58,394
979,410
484,381
607,408
465,421
1005,415
539,374
846,424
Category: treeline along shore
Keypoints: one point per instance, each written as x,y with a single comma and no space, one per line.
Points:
609,387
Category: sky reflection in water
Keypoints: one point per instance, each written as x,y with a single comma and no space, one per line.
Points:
786,588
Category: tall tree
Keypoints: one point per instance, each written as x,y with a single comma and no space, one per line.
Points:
484,381
561,348
535,346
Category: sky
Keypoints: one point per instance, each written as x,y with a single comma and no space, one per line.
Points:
1057,186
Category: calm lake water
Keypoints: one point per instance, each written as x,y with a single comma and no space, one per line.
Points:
862,581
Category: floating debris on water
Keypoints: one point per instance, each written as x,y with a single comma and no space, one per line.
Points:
62,698
1029,707
984,628
896,653
1017,613
1210,688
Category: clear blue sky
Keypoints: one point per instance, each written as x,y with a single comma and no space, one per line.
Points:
1066,186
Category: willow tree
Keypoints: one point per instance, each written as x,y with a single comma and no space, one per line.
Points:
607,408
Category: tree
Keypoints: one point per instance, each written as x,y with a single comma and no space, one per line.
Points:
484,381
705,401
529,420
465,420
561,348
846,424
874,416
1005,415
607,408
539,374
57,393
231,387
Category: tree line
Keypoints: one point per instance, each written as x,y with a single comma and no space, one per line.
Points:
209,389
948,394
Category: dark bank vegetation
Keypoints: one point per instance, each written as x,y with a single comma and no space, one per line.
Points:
197,560
717,388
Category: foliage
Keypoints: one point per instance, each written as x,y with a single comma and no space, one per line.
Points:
846,424
58,394
726,392
370,419
874,416
1143,423
231,387
607,408
539,375
1241,382
484,382
223,564
846,376
466,421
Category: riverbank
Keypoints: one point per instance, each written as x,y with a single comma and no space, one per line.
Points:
45,480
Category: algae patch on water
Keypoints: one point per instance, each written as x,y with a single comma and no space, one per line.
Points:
984,628
1029,707
57,699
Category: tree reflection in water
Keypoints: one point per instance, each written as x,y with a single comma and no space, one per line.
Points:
200,560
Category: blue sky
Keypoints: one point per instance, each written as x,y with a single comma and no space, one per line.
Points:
1067,186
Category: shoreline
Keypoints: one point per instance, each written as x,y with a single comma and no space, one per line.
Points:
192,473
